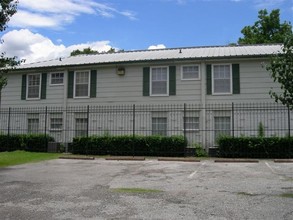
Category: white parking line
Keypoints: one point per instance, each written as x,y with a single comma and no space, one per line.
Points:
192,174
273,171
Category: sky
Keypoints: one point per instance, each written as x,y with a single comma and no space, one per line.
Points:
49,29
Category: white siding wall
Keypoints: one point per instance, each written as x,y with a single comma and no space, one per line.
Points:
255,84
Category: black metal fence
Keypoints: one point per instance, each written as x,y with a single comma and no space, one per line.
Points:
199,124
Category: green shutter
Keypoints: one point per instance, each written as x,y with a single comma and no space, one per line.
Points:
172,80
146,81
209,79
236,78
70,84
44,86
93,89
23,87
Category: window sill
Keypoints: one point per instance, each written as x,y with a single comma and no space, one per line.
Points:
224,94
196,79
161,95
82,97
55,130
32,99
56,85
191,130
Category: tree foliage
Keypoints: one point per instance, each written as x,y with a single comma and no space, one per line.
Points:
90,51
268,29
281,68
7,9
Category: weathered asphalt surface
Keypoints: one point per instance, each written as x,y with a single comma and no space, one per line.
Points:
76,189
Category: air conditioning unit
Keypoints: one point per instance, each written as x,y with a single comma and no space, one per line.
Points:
120,71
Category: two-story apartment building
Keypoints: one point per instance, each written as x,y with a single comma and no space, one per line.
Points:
200,76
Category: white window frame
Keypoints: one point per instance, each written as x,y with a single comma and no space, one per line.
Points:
33,116
27,86
79,130
156,131
193,129
190,79
56,84
56,115
74,84
151,80
231,80
215,131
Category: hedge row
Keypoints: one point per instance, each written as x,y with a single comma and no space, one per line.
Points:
129,145
256,147
27,142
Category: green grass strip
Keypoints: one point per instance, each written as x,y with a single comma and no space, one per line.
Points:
287,195
22,157
136,190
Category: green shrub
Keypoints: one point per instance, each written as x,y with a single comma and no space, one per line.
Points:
10,143
27,142
256,147
260,130
36,142
199,150
129,145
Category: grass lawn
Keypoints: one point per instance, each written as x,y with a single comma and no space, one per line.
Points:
21,157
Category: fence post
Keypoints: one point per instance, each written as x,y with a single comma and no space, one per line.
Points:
289,123
87,128
233,119
46,115
87,123
133,130
184,122
8,126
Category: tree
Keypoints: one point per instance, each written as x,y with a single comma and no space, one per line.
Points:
90,51
84,51
267,29
7,9
281,68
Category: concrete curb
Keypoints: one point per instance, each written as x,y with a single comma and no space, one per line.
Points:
76,158
236,161
178,159
283,160
125,158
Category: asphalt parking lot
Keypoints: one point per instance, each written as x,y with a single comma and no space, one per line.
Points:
151,189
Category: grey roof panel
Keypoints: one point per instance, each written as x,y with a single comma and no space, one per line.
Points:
161,54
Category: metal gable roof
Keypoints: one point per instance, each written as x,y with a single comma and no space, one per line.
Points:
161,54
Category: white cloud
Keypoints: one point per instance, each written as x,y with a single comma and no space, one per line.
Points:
35,47
154,47
26,19
267,3
57,13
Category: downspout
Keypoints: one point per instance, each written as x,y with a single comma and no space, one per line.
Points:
64,109
203,105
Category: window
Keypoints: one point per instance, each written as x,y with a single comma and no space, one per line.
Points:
33,86
191,123
33,123
159,81
190,72
159,126
222,126
57,78
222,82
81,87
80,127
56,121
